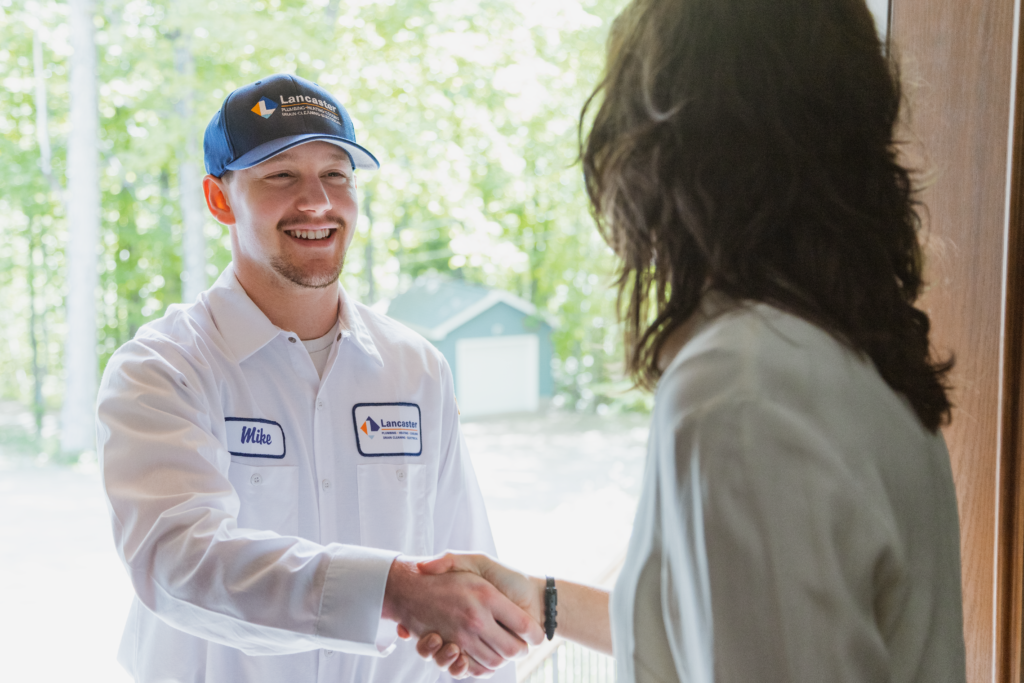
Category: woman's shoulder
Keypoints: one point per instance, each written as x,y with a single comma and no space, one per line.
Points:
756,352
763,389
739,345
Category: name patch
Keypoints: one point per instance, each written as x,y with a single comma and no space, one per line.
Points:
387,429
255,438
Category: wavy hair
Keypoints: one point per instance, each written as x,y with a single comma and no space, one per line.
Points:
747,146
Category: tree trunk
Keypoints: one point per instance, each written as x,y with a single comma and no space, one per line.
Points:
193,276
37,369
43,116
45,165
331,13
83,215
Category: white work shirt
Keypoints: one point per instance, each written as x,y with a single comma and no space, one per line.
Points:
258,508
797,522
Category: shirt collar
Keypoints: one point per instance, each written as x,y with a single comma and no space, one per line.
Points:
246,329
352,324
712,304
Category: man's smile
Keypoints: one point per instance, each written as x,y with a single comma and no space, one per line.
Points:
310,234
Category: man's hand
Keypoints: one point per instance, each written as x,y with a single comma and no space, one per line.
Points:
461,608
525,591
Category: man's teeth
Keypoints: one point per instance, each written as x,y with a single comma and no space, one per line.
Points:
311,234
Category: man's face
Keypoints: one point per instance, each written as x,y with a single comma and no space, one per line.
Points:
294,216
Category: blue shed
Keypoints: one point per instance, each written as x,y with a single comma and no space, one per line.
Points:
497,345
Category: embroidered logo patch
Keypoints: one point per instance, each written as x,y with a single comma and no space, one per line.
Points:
254,438
387,429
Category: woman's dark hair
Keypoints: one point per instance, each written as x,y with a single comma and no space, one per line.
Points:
746,146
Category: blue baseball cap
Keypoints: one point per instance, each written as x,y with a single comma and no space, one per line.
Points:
263,119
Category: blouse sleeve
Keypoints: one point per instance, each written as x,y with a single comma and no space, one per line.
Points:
786,552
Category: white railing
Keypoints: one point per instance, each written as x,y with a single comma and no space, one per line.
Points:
563,662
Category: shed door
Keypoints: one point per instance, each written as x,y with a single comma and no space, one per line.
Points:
497,374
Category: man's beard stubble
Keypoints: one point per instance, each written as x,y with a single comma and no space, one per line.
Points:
295,274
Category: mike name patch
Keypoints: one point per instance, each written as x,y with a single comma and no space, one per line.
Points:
387,429
254,438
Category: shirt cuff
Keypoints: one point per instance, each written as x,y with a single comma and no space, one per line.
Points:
387,636
352,600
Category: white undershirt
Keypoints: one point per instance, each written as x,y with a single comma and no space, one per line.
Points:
320,349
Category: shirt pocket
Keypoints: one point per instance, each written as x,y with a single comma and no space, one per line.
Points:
268,497
394,508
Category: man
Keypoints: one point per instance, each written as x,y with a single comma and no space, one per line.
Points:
274,453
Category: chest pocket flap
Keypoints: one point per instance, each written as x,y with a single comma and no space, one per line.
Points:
268,496
395,511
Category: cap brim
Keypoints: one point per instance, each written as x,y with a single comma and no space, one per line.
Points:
360,156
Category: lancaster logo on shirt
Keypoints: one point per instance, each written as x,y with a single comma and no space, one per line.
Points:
369,427
254,438
397,425
390,428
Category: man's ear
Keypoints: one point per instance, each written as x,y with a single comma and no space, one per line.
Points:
217,200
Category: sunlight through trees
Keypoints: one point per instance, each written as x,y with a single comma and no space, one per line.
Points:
473,106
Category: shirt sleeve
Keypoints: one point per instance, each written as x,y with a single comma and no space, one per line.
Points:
174,516
785,550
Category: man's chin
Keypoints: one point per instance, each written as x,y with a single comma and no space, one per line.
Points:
317,283
306,277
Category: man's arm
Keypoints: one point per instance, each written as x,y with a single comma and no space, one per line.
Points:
174,515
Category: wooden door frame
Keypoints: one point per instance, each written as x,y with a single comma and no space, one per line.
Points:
961,63
1009,578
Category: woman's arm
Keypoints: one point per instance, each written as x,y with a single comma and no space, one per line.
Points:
583,615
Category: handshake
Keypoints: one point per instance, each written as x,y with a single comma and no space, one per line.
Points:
468,612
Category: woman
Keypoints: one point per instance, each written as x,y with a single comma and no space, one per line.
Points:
798,520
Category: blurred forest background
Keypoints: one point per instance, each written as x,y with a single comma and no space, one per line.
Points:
472,107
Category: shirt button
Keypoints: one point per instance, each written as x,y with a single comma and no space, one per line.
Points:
256,479
400,473
327,484
319,404
291,339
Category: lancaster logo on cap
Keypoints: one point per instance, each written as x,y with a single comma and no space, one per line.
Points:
294,100
265,108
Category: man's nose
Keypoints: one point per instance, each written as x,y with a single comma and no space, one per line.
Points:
313,196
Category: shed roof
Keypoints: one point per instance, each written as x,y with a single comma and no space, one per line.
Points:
435,306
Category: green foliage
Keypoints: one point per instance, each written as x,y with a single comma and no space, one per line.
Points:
471,105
